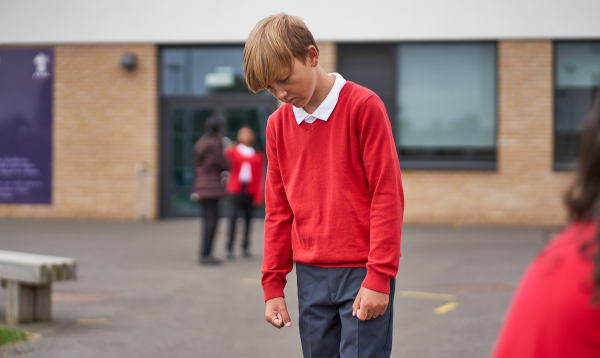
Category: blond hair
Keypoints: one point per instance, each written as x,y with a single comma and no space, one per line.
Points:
271,48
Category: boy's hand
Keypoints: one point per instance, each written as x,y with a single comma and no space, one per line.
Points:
276,313
369,304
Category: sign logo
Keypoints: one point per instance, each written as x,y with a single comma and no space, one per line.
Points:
41,61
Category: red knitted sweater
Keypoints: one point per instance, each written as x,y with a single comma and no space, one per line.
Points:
552,314
255,187
333,192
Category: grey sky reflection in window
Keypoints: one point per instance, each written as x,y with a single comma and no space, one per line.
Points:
218,70
577,78
446,96
174,71
578,64
203,70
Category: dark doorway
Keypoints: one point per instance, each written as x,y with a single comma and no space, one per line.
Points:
195,83
182,125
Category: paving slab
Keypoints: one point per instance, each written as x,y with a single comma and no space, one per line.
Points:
140,292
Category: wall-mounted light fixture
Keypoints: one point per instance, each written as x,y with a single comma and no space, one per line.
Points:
129,61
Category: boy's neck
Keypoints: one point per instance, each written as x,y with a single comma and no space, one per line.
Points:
322,89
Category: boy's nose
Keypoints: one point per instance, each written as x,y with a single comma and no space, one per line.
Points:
281,95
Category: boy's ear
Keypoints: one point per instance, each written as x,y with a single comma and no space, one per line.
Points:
312,56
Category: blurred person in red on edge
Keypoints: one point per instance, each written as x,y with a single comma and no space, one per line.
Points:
556,309
245,184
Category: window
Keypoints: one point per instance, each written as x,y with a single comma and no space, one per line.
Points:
441,99
197,82
577,79
202,70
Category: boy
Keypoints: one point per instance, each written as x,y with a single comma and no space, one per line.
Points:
333,195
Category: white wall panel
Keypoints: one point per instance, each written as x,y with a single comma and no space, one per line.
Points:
187,21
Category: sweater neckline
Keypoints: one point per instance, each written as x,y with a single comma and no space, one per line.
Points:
311,127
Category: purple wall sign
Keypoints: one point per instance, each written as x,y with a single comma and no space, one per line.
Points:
26,77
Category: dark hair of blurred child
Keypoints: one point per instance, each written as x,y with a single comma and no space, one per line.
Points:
245,184
556,309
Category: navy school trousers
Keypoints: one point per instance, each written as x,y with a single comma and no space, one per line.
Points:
327,327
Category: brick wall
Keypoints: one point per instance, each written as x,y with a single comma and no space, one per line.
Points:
328,56
105,121
524,190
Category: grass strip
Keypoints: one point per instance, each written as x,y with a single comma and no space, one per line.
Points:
9,335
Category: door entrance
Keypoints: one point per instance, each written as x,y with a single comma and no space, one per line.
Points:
182,124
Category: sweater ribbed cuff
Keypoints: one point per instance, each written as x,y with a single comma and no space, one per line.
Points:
377,282
272,290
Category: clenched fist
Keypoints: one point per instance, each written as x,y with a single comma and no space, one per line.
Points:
369,304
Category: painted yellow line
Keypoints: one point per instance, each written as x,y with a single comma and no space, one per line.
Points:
427,295
251,281
33,336
91,321
445,308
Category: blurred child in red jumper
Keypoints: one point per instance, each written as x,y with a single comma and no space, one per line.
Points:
245,184
555,312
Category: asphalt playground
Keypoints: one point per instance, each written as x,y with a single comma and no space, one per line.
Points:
140,292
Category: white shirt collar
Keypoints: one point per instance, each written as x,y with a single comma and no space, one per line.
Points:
327,106
245,151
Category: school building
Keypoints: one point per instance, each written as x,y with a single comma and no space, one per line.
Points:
101,102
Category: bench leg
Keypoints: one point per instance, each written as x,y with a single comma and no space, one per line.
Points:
43,303
28,303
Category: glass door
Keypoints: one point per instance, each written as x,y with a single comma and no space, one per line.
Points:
196,82
188,127
183,122
253,117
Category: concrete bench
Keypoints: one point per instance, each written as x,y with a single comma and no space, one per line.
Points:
29,278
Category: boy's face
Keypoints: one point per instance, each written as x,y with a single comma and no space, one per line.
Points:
297,87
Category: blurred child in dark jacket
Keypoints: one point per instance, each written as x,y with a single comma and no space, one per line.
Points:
209,162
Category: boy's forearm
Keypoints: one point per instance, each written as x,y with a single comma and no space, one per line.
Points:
384,251
375,281
277,258
273,286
